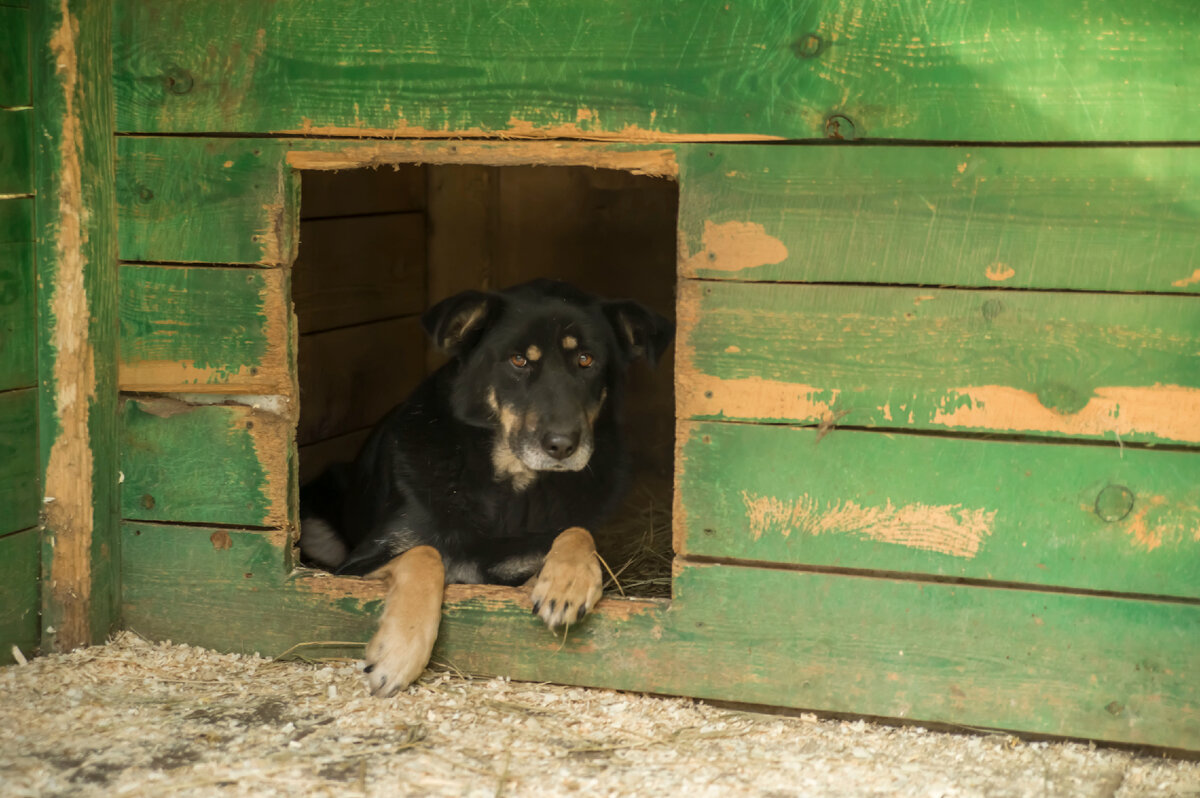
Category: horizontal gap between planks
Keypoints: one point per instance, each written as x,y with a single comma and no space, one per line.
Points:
399,317
16,196
501,136
356,431
997,437
366,215
18,388
200,525
230,400
169,264
908,576
18,532
944,287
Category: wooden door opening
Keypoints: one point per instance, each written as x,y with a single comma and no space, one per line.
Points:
378,246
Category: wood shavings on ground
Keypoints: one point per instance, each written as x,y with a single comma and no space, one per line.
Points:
134,718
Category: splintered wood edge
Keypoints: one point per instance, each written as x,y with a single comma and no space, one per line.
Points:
494,596
357,155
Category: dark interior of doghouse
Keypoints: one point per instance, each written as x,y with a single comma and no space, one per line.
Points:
378,246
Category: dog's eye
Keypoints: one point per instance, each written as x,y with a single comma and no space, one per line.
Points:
520,361
585,360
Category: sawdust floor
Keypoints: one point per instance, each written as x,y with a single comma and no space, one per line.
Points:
138,719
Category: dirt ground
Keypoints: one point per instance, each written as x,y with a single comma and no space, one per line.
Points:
138,719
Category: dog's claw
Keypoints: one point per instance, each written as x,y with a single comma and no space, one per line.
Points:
570,582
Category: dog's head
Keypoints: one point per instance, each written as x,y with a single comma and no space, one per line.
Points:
539,363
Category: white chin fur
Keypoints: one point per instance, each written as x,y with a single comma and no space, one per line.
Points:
537,460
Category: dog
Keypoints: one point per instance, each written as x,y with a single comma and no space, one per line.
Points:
493,470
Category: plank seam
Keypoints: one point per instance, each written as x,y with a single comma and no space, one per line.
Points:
946,287
364,323
168,264
348,433
16,532
681,138
201,525
906,576
366,215
996,437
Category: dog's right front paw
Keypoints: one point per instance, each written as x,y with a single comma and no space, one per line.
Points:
396,656
412,612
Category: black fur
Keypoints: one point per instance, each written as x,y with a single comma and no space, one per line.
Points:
428,473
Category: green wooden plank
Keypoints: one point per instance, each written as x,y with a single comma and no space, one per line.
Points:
16,150
19,496
1112,219
1028,71
204,329
1087,517
222,575
17,291
1087,666
77,321
1057,364
205,201
16,88
20,581
215,464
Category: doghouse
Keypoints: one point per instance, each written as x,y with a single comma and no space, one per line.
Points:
936,388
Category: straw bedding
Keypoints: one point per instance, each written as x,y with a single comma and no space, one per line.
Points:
133,718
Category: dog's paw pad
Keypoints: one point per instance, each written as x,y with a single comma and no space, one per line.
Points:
570,583
395,659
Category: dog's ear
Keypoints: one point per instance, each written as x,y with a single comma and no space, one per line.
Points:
640,331
455,324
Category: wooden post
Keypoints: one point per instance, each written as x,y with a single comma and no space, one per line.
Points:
76,304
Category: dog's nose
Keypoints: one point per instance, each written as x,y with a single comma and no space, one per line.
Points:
560,445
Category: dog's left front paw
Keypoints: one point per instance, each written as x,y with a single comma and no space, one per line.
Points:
570,582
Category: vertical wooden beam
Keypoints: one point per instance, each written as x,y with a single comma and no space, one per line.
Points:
76,262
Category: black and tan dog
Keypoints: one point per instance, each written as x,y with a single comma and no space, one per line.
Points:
493,470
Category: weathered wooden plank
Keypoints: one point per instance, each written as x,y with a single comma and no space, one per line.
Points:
1086,666
206,201
77,319
389,189
16,152
19,495
214,464
313,458
349,378
17,292
463,214
1113,219
16,87
1026,71
358,269
1055,364
204,329
1068,516
20,594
